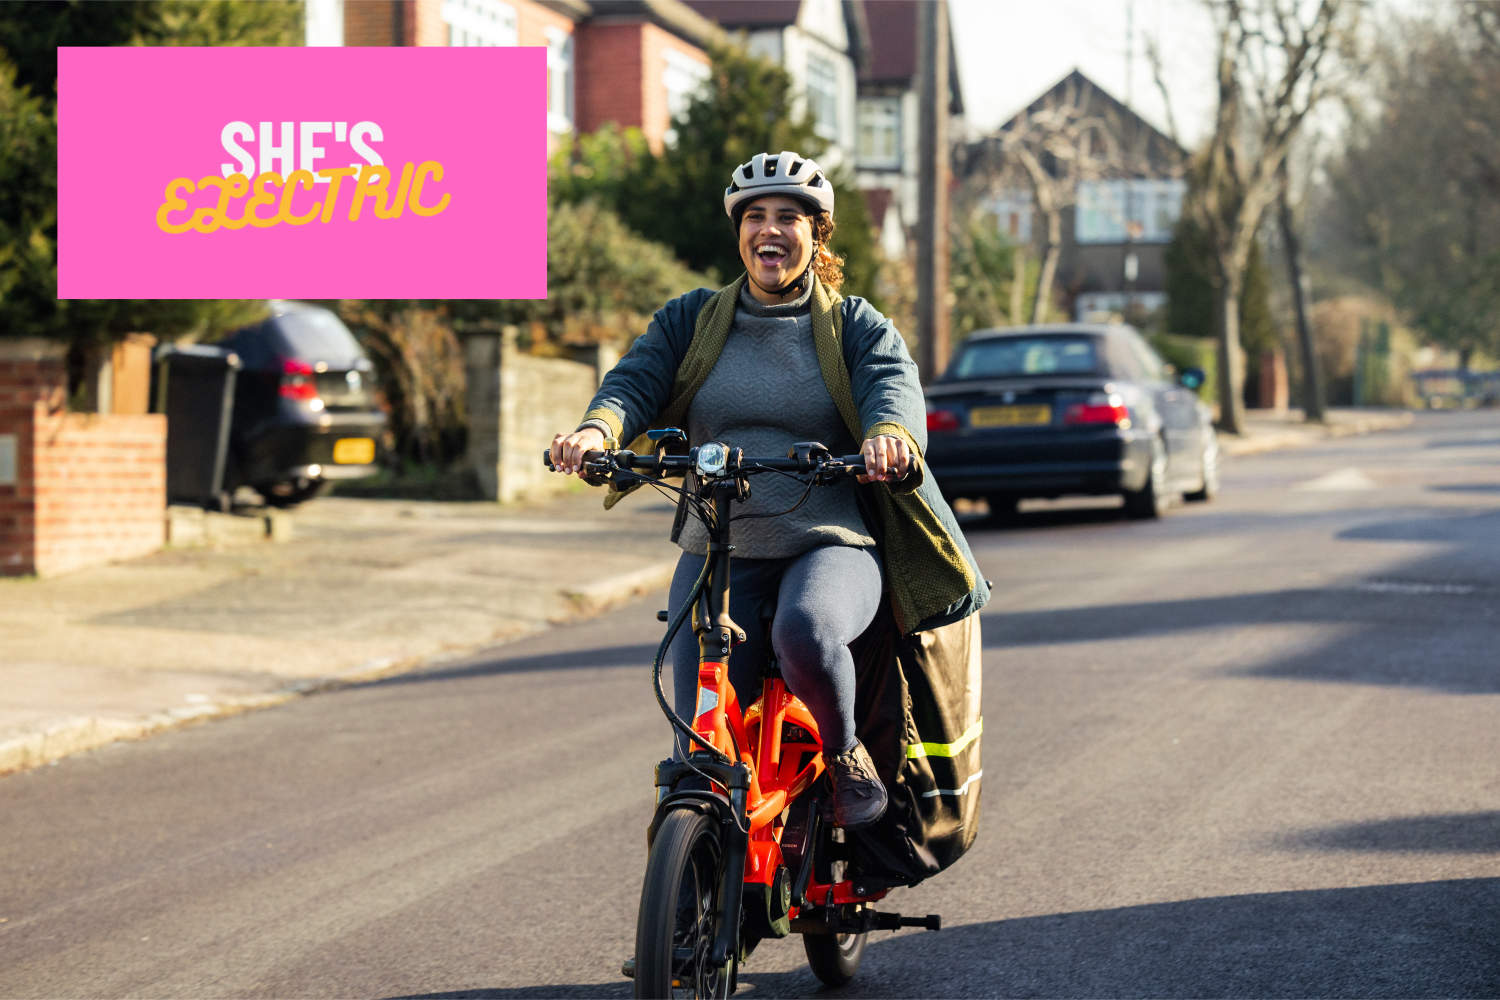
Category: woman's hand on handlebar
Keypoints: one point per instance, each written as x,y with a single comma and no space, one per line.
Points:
568,449
886,458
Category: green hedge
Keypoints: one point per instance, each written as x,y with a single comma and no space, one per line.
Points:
1191,352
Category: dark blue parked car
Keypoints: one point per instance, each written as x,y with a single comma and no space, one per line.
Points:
1069,409
304,413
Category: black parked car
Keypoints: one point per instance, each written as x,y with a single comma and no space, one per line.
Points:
304,414
1076,408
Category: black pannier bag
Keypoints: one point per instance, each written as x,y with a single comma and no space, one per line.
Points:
917,711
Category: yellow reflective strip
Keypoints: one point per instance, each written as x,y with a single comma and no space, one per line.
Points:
946,749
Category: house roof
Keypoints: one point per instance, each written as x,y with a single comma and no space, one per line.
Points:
672,15
893,57
893,40
748,13
733,14
1158,142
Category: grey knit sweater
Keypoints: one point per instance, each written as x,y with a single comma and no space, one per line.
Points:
766,392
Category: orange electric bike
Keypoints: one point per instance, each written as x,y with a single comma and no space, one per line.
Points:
740,846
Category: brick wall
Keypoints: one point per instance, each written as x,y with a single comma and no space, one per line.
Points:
533,20
621,70
370,22
89,488
609,77
100,483
33,377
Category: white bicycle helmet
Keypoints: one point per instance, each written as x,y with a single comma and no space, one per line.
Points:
785,173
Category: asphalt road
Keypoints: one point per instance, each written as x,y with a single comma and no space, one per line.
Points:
1250,750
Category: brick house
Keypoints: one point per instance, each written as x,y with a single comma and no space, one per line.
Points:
885,152
1115,236
631,62
820,43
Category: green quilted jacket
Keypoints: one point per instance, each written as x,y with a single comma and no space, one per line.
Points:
932,575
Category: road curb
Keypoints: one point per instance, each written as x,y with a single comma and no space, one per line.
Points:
30,750
607,593
79,735
1306,435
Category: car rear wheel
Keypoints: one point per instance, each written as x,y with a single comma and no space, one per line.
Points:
1002,508
290,494
1152,499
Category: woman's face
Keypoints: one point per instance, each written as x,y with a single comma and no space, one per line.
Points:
776,241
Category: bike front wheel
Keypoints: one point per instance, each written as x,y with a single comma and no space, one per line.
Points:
679,915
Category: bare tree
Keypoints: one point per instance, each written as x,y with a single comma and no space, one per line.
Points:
1058,145
1273,69
1291,245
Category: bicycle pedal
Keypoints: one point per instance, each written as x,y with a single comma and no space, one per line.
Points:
627,968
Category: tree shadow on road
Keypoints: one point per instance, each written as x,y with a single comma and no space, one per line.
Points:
1450,833
496,662
1429,939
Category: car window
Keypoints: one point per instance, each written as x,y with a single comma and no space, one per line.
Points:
251,344
1005,357
1151,362
318,335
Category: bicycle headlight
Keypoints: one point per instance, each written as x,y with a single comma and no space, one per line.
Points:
711,459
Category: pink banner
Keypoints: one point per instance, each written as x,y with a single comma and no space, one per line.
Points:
302,173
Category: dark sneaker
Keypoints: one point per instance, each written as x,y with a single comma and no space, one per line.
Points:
859,797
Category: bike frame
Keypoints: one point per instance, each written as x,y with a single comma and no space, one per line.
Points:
775,772
754,774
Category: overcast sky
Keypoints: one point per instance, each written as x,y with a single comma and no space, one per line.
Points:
1010,51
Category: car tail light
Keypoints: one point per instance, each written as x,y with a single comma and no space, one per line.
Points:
942,420
297,380
1100,409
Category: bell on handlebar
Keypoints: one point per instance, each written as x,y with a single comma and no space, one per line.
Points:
808,454
664,436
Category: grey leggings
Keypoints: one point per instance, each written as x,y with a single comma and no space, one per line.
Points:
824,599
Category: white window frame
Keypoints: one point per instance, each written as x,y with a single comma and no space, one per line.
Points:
1153,207
560,68
683,78
823,102
879,118
1012,210
481,23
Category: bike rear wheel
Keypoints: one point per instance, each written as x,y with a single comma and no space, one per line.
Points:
679,915
834,958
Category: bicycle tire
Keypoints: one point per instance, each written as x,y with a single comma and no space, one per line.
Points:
678,920
834,958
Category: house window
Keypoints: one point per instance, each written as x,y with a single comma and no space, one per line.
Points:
880,133
1140,211
684,79
559,81
1012,212
480,22
823,95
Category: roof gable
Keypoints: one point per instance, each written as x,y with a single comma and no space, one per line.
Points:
1159,147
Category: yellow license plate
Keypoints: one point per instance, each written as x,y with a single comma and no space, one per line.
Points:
354,451
1009,416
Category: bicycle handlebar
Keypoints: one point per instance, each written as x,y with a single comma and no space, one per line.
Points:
850,465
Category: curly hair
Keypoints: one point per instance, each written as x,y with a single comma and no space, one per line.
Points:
827,265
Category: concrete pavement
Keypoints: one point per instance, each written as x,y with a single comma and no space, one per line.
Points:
366,588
